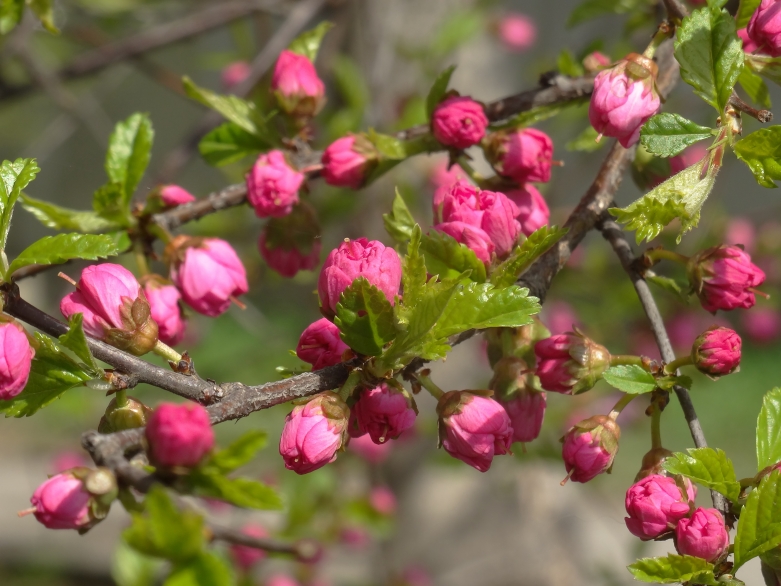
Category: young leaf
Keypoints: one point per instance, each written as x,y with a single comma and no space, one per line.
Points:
672,569
413,274
239,453
365,318
666,135
11,12
745,11
60,218
52,250
759,528
228,143
44,11
537,244
710,54
51,374
438,90
630,378
14,176
75,340
769,430
241,112
129,151
450,259
240,492
708,467
761,151
399,222
755,87
308,42
206,569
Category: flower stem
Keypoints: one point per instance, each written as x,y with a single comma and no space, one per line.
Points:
121,398
663,33
166,352
429,385
469,170
656,428
353,380
658,254
619,406
621,359
671,367
143,264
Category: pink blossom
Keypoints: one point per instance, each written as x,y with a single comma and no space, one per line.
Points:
272,185
365,447
382,500
62,503
16,359
749,46
703,535
589,447
517,31
245,556
524,154
179,435
764,28
526,410
288,261
762,324
655,504
235,73
716,352
173,195
442,179
384,412
320,344
298,89
348,160
164,304
459,122
473,238
570,363
533,211
724,278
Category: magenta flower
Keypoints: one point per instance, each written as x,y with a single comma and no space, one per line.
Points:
473,238
570,363
272,185
526,410
245,556
459,122
655,504
164,300
443,178
589,447
288,261
517,31
320,344
703,535
524,154
749,46
533,211
298,89
348,160
716,352
764,28
62,502
173,195
723,277
384,412
179,435
17,356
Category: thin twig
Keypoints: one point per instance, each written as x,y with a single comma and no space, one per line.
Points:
762,115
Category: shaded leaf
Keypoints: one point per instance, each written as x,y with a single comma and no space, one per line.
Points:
670,285
438,90
76,341
229,143
537,244
759,528
235,109
755,87
769,430
586,141
43,9
308,42
708,467
11,12
450,259
666,135
590,9
14,176
745,11
240,492
51,250
630,378
61,218
761,151
540,113
239,453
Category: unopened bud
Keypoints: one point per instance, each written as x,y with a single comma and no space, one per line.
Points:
132,414
570,363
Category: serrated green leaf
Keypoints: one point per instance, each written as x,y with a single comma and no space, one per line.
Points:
761,151
52,250
630,378
235,109
365,318
759,528
769,430
308,42
61,218
413,274
207,569
240,492
755,87
14,176
43,9
708,467
438,90
710,54
11,12
593,8
399,223
229,143
538,114
586,141
239,453
672,569
51,374
450,259
129,151
666,135
76,341
537,244
745,11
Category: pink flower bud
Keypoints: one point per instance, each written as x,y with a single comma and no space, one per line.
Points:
524,154
655,504
382,500
442,179
723,277
474,238
313,433
320,345
762,324
272,185
517,31
288,261
473,428
749,46
62,502
245,556
179,435
716,352
114,307
624,98
208,272
384,412
533,212
235,73
526,410
378,264
17,356
164,304
173,195
459,122
292,243
570,363
589,447
365,447
348,161
703,535
298,89
764,28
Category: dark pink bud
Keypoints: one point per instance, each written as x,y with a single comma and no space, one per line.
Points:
17,356
245,556
716,352
703,535
517,31
655,504
208,273
272,185
179,435
473,428
298,89
235,73
173,195
459,122
723,277
378,264
62,502
526,410
749,46
288,261
313,433
164,300
114,307
348,160
533,211
524,154
470,236
589,447
382,500
570,363
320,345
624,98
384,412
292,243
762,324
764,28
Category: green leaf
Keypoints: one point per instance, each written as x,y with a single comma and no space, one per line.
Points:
759,528
365,318
131,568
666,135
630,378
769,430
241,112
710,54
568,65
240,492
229,143
745,11
538,114
109,202
44,11
61,218
206,569
766,66
76,341
308,42
673,569
165,531
450,259
239,453
438,90
761,151
399,223
670,285
11,12
586,141
389,147
52,250
129,151
594,8
668,382
755,87
708,467
51,374
413,274
537,244
14,176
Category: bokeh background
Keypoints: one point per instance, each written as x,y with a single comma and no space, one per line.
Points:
511,526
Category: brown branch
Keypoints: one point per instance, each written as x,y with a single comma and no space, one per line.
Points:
762,116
